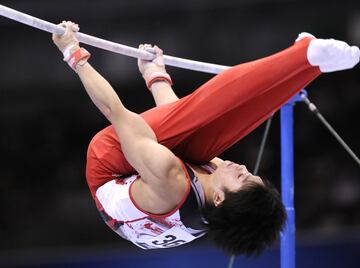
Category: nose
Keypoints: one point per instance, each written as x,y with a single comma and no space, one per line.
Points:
257,179
243,167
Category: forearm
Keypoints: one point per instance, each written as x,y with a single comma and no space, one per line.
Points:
163,93
129,126
156,78
99,90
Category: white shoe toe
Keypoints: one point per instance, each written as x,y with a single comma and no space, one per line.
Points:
332,55
303,35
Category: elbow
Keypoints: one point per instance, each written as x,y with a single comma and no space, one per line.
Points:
113,110
107,109
109,112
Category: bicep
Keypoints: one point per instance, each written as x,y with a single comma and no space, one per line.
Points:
152,160
163,180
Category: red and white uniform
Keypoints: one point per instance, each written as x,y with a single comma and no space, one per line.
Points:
148,231
196,128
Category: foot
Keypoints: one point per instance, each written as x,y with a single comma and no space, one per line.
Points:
332,55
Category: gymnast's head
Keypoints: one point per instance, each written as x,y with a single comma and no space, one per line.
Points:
244,212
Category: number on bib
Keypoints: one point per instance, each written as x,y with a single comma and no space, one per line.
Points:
169,242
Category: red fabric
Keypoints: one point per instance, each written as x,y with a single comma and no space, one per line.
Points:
77,56
221,112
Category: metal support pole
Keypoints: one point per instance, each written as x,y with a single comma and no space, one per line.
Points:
287,242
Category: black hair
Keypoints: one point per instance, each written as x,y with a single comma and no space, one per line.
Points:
248,220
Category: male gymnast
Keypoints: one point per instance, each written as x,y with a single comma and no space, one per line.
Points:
156,178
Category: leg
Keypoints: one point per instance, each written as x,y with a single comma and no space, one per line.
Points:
228,106
214,138
330,55
232,104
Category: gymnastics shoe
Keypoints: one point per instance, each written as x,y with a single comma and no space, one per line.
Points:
331,55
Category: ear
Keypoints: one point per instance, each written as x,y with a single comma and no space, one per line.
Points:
218,197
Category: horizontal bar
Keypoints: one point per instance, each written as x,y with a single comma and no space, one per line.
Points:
108,45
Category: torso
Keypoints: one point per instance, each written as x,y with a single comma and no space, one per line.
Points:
181,225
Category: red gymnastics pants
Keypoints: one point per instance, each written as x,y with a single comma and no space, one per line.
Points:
221,112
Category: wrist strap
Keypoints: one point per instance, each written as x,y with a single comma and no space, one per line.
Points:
158,76
67,51
79,55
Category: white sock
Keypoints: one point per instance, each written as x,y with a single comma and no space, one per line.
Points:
303,35
332,55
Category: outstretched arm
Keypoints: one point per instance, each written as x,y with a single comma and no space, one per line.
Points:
138,141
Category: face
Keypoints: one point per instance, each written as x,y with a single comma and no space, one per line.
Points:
232,177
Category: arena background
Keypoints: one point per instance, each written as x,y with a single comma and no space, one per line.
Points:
47,217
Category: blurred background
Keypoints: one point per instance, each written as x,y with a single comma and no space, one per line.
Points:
47,217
